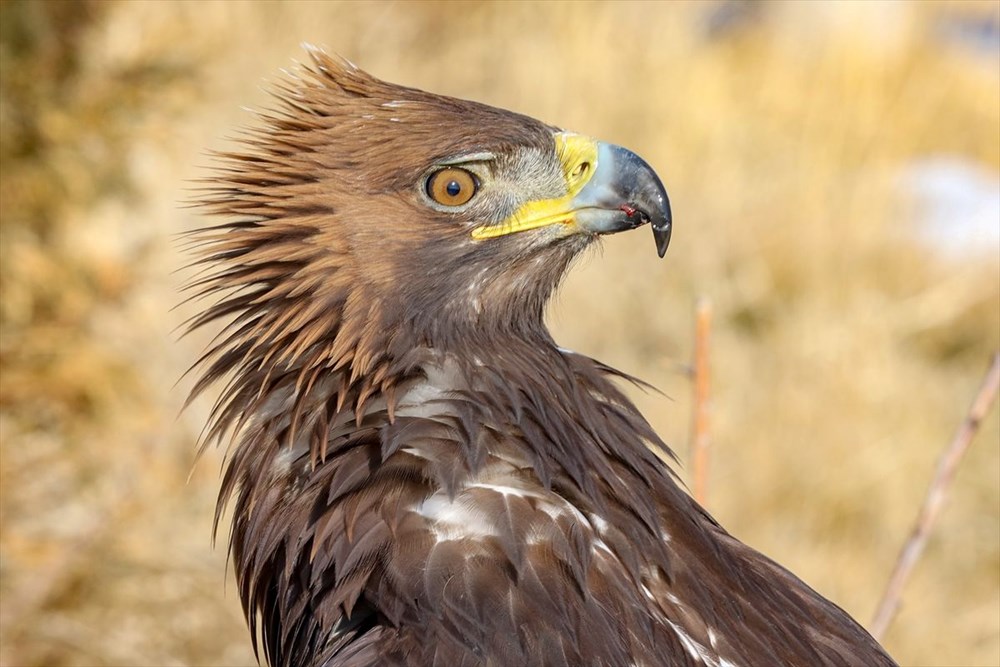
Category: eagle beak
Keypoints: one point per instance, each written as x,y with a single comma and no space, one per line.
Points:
608,189
623,193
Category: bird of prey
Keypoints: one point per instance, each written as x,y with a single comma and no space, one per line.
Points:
418,475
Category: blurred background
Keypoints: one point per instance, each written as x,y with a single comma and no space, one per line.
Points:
835,175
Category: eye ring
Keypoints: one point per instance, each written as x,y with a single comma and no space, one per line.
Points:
452,186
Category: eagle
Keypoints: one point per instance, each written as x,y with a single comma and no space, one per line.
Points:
417,474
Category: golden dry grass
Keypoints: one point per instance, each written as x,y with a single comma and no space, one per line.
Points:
844,352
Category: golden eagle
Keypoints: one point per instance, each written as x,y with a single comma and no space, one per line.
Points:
418,474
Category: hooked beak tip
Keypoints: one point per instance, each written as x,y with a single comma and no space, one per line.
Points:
662,229
662,238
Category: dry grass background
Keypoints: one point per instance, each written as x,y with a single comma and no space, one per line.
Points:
844,352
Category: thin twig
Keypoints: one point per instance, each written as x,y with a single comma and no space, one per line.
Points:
700,435
934,500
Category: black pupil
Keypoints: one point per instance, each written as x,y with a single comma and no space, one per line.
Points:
453,188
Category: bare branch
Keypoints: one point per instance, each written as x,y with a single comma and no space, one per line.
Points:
700,435
934,500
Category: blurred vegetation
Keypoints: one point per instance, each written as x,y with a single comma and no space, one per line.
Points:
846,348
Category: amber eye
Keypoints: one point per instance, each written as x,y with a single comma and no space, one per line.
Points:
451,186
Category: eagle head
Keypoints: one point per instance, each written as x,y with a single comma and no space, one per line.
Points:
367,211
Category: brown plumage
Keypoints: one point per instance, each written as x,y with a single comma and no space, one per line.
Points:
418,474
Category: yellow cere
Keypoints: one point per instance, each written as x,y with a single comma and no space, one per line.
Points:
578,158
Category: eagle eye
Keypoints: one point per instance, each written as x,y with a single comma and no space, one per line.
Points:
452,186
